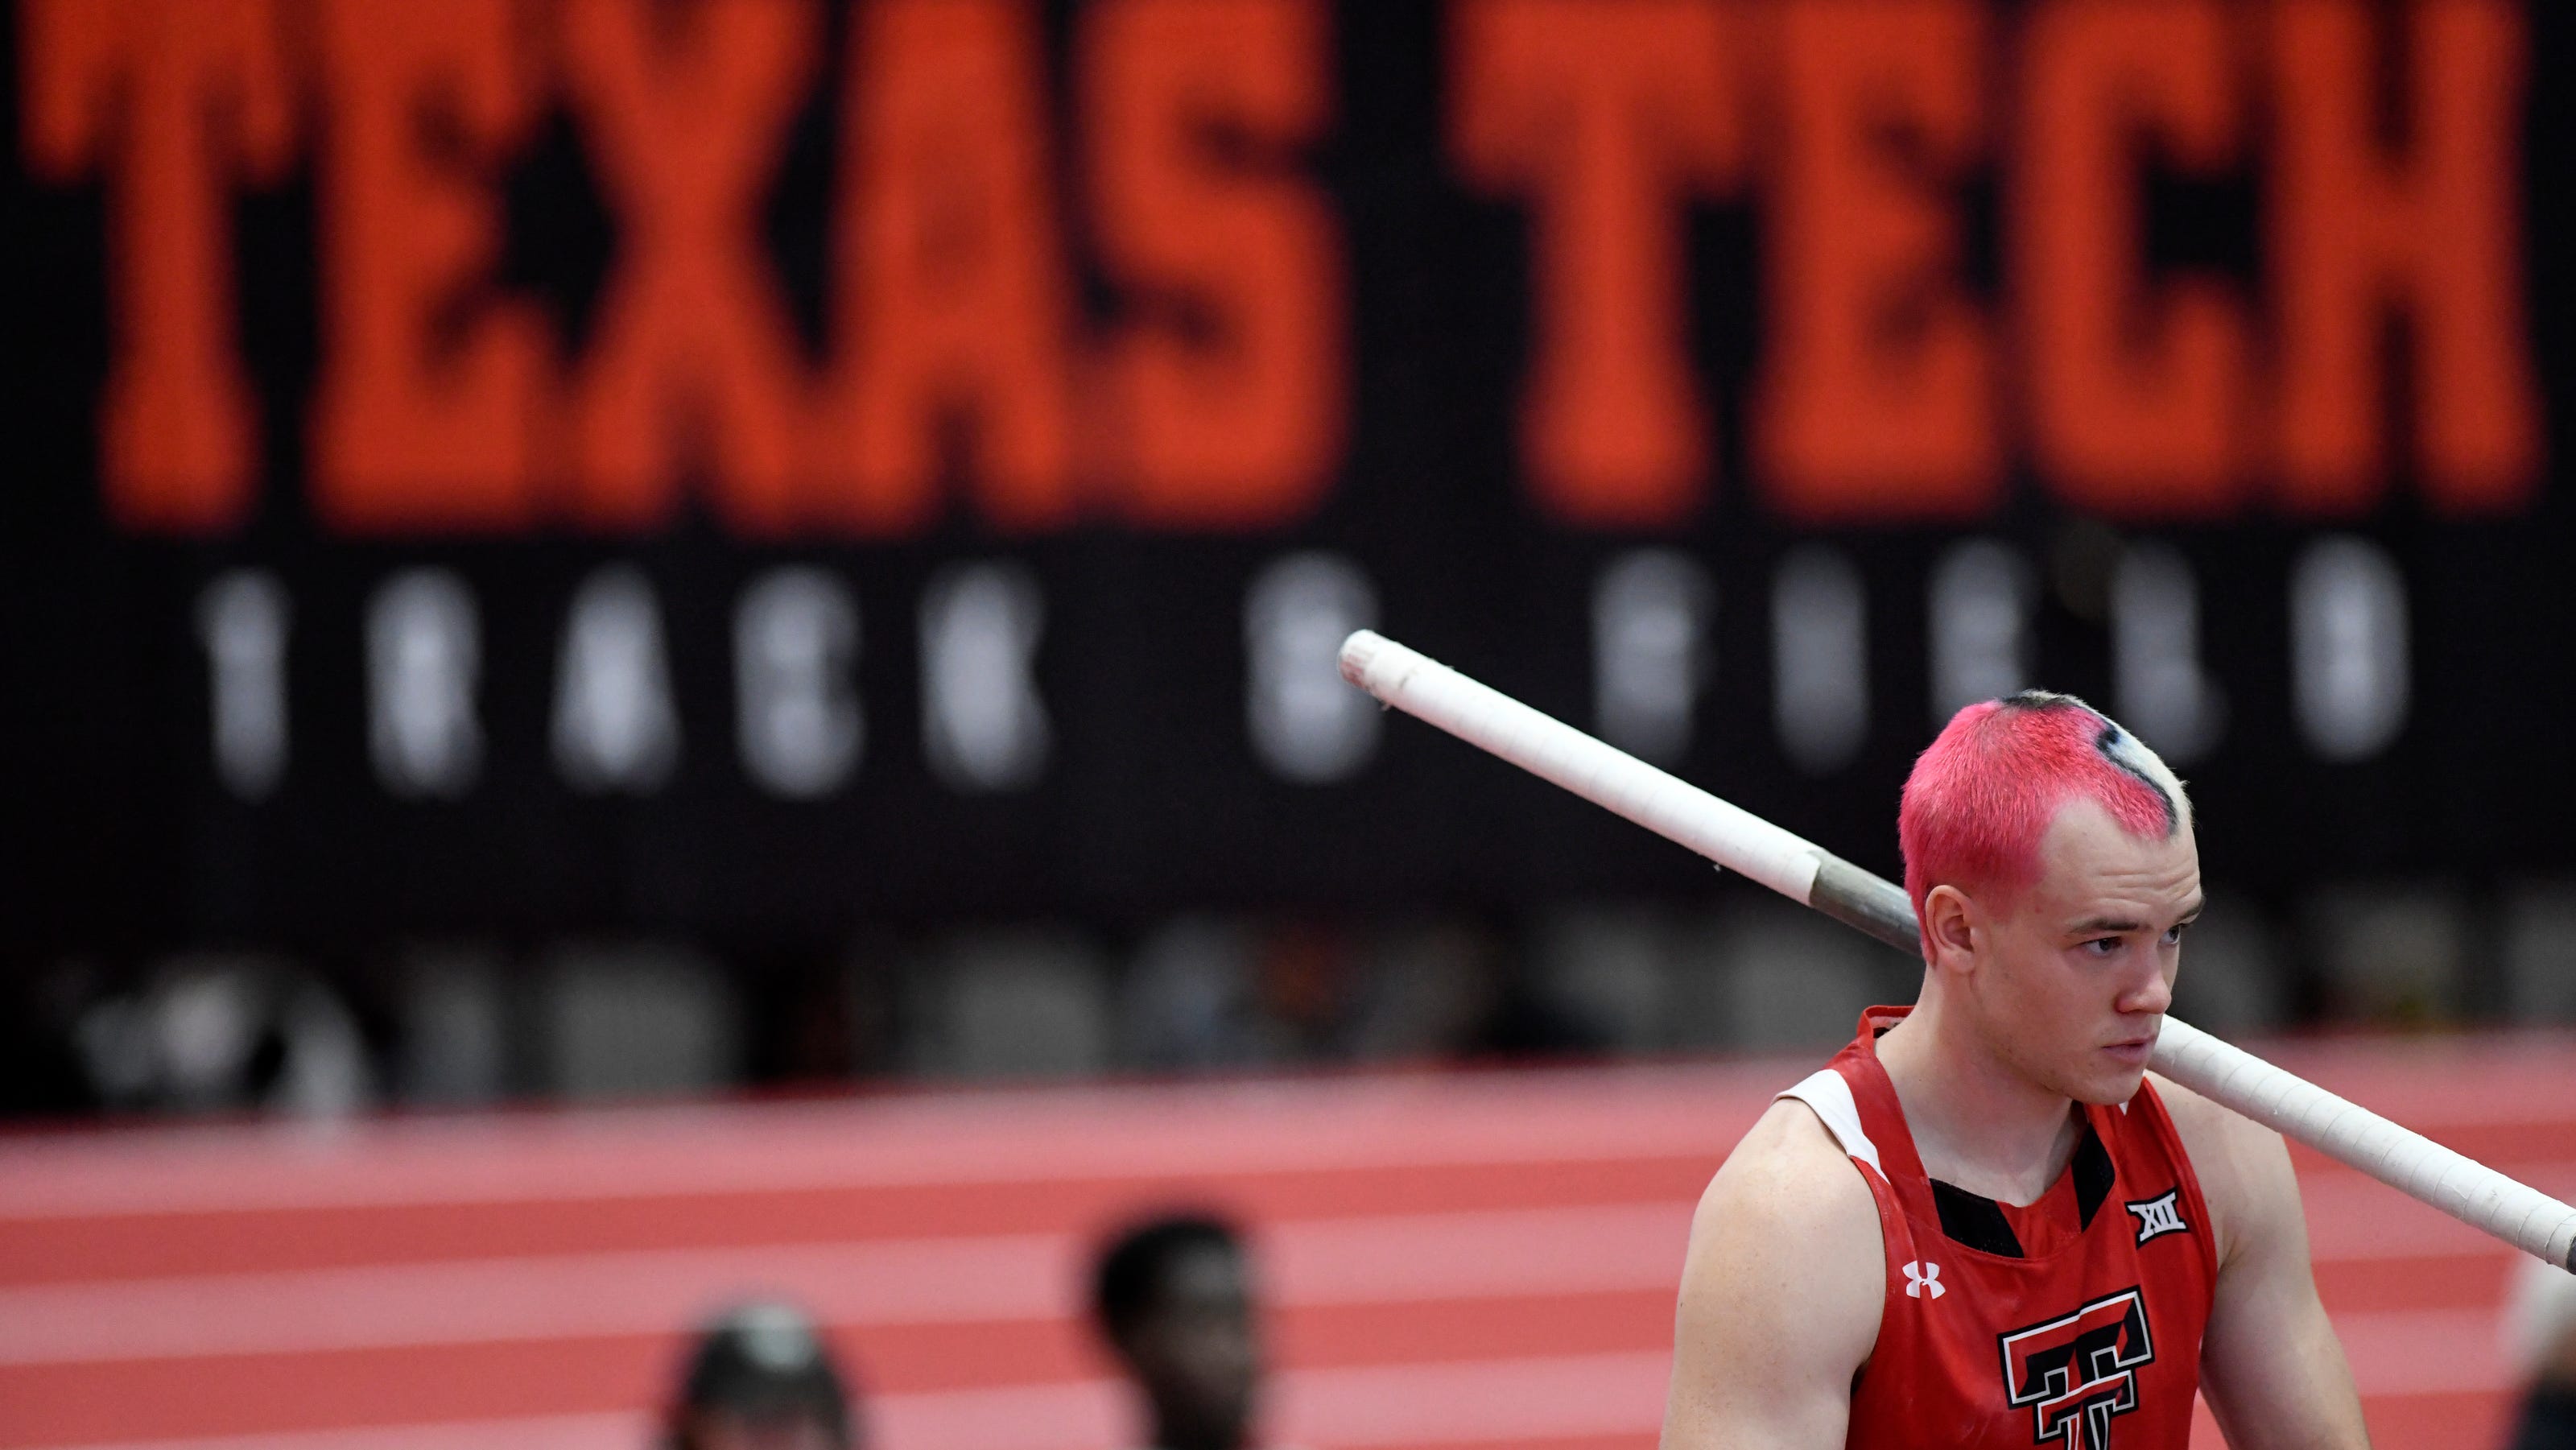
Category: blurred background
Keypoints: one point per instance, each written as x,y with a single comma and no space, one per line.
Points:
673,659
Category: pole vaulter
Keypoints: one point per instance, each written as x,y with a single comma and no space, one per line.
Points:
1810,875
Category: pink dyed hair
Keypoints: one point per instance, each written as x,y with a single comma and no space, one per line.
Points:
1982,794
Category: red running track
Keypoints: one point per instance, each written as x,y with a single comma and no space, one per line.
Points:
1450,1260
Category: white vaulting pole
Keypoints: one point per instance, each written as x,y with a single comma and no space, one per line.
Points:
1806,873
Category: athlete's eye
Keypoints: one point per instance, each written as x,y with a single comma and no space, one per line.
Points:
2103,946
2173,934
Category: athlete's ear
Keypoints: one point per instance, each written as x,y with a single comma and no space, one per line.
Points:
1950,929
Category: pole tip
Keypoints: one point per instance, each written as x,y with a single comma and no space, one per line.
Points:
1357,651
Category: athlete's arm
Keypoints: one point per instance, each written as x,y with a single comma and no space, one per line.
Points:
1780,1295
2270,1364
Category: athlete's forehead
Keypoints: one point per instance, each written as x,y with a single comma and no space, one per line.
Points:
2096,873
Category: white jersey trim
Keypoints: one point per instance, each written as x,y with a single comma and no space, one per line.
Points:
1830,1098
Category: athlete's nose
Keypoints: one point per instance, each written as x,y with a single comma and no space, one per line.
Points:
2151,997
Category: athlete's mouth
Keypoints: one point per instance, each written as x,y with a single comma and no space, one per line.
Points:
2135,1049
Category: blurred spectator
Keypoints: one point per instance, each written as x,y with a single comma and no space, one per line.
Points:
1191,1002
2540,1338
761,1378
1309,978
217,1032
1173,1296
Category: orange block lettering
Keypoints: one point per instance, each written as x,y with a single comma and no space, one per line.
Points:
428,404
1878,400
1236,422
2436,231
204,91
686,122
953,306
1607,112
2136,395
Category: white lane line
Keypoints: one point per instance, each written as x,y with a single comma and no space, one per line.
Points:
886,1282
1039,1135
1377,1405
1499,1399
2352,1218
1375,1259
483,1301
1398,1122
1075,1415
2425,1351
623,1431
1351,1408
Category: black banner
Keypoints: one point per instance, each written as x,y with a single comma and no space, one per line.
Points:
751,469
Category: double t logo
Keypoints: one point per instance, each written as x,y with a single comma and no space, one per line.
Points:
2079,1371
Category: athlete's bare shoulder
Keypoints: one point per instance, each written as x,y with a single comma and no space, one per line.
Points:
1781,1293
2269,1363
2194,1116
1788,1161
2243,1167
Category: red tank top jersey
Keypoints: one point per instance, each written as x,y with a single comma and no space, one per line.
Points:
2074,1322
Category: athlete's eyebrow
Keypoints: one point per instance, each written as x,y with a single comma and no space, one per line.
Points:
2116,925
2105,926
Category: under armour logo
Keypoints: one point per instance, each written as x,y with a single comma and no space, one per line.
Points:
2157,1216
1922,1279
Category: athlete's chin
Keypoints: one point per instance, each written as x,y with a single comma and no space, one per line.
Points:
2112,1077
2109,1090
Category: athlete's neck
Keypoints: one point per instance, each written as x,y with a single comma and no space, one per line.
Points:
1977,1124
